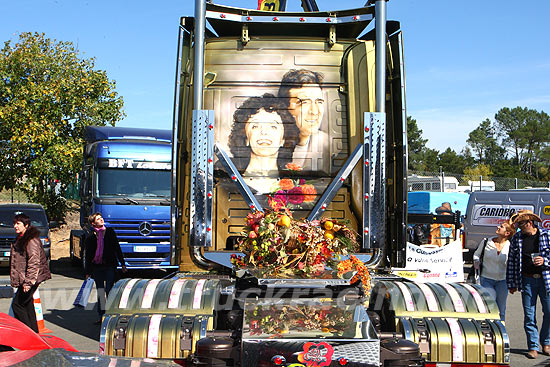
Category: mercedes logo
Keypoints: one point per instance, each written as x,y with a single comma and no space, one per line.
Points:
145,228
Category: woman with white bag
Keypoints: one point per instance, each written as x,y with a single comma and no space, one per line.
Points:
28,268
490,259
103,254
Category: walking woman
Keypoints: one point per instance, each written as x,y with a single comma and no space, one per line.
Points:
29,268
491,257
103,254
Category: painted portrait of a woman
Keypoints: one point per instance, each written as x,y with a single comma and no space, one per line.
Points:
263,136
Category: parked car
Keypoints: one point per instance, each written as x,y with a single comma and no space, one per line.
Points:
7,232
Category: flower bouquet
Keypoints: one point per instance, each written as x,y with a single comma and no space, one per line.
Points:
281,247
275,320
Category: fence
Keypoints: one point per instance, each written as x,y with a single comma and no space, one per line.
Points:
13,196
17,196
469,183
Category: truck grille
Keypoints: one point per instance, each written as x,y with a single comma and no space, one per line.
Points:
152,231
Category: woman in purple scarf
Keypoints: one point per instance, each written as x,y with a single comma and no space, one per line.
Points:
103,255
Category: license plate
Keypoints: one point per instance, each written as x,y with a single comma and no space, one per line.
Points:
7,253
145,248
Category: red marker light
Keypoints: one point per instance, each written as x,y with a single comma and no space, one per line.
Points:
342,361
249,18
278,360
275,19
222,16
329,20
302,19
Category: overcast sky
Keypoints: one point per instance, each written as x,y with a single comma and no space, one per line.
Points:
463,60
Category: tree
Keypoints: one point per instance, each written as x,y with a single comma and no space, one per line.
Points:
485,144
416,145
47,95
525,132
451,162
473,173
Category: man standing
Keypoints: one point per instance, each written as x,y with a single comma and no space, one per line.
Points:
528,270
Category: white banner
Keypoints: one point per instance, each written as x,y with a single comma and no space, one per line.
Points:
444,264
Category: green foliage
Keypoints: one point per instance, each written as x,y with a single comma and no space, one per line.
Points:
47,95
484,143
473,173
526,134
415,144
450,161
516,144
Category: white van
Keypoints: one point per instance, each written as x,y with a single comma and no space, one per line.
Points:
431,183
487,209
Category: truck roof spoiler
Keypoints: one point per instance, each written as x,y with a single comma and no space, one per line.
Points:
97,133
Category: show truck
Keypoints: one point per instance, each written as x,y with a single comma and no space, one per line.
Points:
281,116
126,176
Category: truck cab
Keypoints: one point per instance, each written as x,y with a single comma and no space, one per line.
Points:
126,177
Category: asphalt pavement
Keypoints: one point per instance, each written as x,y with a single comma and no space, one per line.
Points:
77,325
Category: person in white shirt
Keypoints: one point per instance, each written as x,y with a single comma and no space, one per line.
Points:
491,257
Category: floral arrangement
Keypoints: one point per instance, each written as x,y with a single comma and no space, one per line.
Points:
275,320
294,193
362,272
280,246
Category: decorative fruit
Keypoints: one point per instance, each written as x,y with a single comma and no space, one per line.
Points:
328,225
271,226
284,221
329,235
252,234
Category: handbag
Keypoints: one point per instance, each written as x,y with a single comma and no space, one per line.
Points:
84,293
475,274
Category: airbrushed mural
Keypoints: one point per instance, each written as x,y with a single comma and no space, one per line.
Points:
283,129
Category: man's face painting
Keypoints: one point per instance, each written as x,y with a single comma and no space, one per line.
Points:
307,105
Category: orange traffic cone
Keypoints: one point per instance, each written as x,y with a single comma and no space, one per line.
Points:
39,316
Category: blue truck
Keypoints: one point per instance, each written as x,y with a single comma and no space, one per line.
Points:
126,176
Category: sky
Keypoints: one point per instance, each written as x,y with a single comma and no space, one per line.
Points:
463,60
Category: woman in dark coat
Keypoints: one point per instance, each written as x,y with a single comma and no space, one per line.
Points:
28,268
103,254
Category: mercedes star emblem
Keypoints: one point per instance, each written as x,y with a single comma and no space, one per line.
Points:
145,228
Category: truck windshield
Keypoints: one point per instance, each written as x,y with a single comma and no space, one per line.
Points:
135,183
